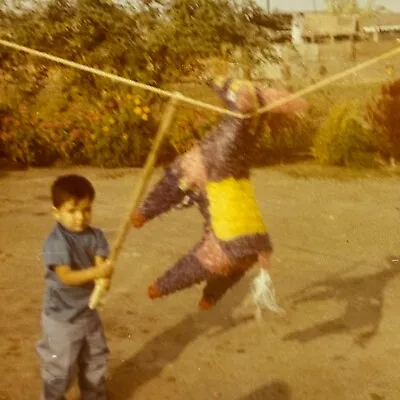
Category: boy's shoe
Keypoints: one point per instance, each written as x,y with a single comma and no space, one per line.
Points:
154,291
206,303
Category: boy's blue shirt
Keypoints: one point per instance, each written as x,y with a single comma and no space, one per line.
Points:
61,247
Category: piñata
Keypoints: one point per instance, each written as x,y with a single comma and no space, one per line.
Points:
215,175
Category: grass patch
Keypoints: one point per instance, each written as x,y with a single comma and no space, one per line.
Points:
312,170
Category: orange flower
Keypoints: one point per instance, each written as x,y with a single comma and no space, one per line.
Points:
74,134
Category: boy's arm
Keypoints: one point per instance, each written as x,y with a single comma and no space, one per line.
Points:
97,261
79,277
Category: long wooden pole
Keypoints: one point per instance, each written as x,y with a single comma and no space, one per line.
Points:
101,287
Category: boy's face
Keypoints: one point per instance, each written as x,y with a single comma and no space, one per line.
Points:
74,215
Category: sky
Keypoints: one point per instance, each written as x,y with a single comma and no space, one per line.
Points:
305,5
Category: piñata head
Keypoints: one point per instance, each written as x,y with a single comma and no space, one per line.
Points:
238,95
245,97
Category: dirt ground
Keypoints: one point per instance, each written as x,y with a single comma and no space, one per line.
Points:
334,270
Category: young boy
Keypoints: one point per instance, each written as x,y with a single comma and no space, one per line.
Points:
75,255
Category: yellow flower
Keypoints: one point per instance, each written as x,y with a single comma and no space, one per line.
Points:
93,136
145,117
146,109
137,110
106,129
124,137
137,101
111,121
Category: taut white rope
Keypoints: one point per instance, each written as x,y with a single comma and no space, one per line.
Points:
201,104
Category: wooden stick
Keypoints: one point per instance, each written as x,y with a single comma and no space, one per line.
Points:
101,289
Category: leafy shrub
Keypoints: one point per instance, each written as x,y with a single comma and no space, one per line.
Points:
282,138
343,137
113,131
121,136
384,117
190,126
22,142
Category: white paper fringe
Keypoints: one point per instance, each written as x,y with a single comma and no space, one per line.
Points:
263,292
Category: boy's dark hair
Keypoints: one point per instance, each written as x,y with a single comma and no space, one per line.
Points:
68,187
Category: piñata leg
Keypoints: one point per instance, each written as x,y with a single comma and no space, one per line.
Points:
185,273
206,258
164,195
218,285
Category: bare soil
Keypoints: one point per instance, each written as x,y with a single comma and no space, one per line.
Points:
334,270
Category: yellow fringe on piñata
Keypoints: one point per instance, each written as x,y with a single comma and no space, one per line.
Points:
233,208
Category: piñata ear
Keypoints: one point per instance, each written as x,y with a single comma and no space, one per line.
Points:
246,97
268,96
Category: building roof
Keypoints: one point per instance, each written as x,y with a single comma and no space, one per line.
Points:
321,24
385,22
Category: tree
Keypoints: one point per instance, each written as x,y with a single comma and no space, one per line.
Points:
342,6
186,32
384,119
155,42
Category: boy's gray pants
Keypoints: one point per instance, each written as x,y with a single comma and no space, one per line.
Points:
66,349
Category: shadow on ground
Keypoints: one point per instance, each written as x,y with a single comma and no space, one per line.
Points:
363,297
3,173
277,390
165,348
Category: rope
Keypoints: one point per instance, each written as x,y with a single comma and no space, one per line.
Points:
117,78
201,104
328,80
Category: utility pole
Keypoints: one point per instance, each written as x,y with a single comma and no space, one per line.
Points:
268,6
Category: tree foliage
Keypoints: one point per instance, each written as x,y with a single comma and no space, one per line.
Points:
153,42
342,6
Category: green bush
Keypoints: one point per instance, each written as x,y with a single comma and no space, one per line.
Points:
113,131
283,138
189,127
22,142
344,138
122,131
